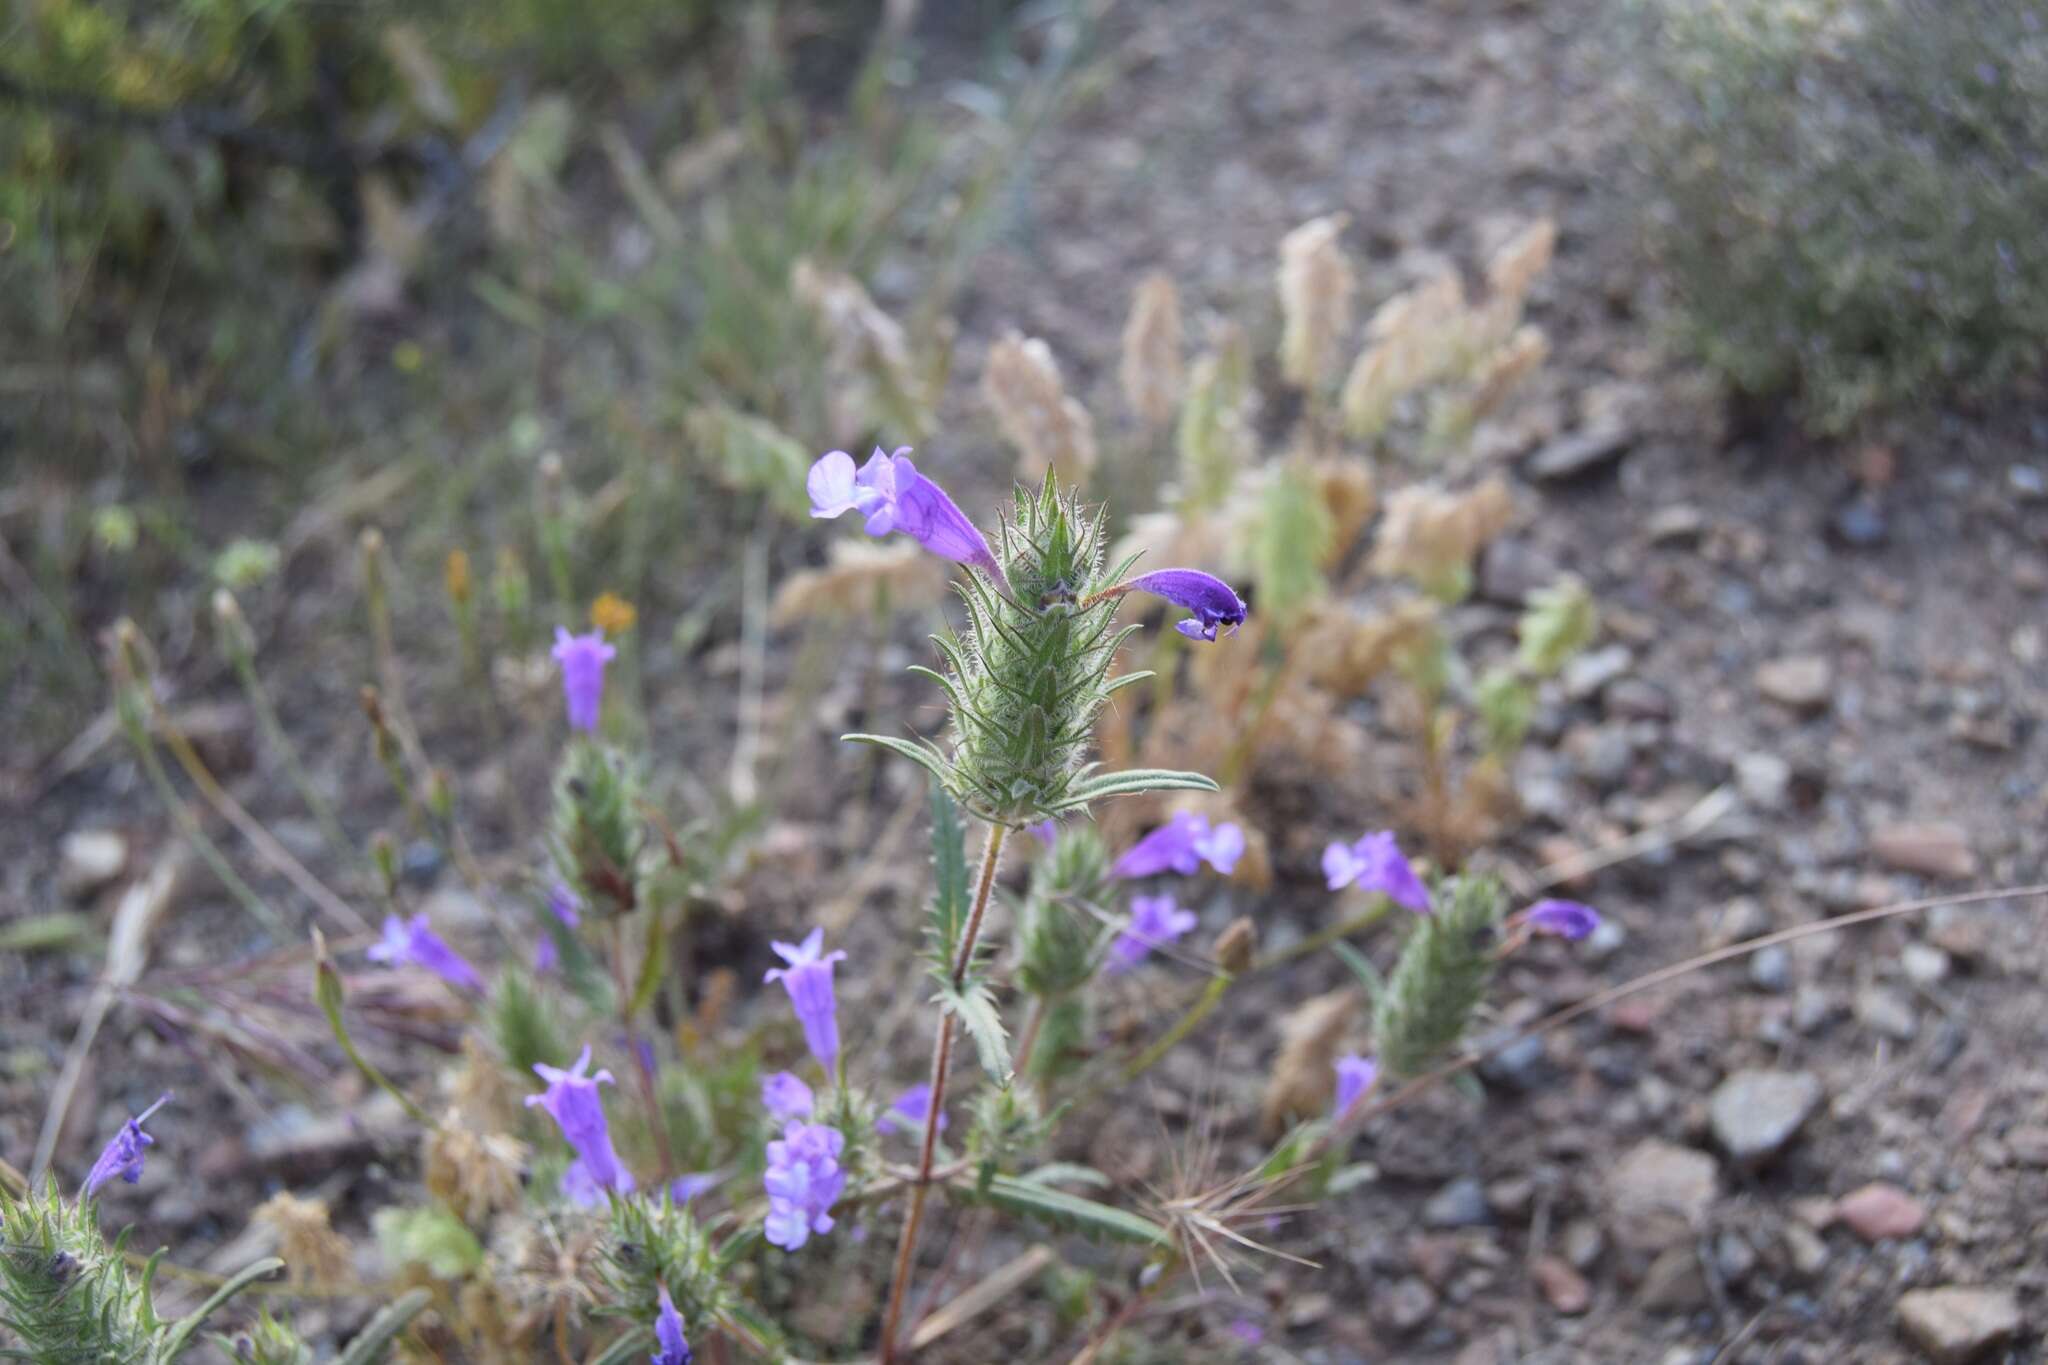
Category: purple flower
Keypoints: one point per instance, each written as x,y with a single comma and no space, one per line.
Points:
582,1189
124,1155
568,907
571,1099
583,658
1247,1331
803,1181
1182,845
1207,596
1565,919
808,979
785,1097
909,1111
1355,1075
413,943
546,957
668,1334
1155,922
1375,863
690,1184
893,496
1046,831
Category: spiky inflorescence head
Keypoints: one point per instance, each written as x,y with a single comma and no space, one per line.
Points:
1031,671
64,1291
596,828
266,1341
1441,977
1057,939
655,1243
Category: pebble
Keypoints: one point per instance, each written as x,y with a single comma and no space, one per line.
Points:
1770,969
1658,1193
1676,524
1579,453
1583,1242
1587,673
1563,1288
1602,754
1460,1204
1407,1304
1811,1009
1734,1257
1765,781
1674,1283
2028,1145
1740,919
1636,699
1755,1113
1605,941
1886,1012
1511,1197
1880,1211
1519,1065
1932,850
1805,1249
1803,682
1306,1310
1956,1324
87,860
1924,964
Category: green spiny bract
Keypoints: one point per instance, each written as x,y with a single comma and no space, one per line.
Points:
1007,1127
1440,979
265,1342
596,828
655,1243
1031,671
1057,938
66,1294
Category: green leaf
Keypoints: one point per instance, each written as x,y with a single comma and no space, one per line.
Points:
1072,1212
370,1344
922,754
1362,968
653,962
46,933
1133,780
975,1007
1066,1173
949,873
428,1237
180,1335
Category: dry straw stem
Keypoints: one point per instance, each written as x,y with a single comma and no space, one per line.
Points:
314,1253
1316,289
866,349
1431,534
860,577
1305,1070
1151,366
1021,384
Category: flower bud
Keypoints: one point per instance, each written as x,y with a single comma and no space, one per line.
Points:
1237,945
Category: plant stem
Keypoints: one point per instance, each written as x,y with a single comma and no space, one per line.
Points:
655,1118
288,755
1028,1041
188,825
942,1053
1182,1027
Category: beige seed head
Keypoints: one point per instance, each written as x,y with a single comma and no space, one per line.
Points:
1316,288
1151,368
1505,370
314,1253
1432,535
1021,385
474,1174
1237,945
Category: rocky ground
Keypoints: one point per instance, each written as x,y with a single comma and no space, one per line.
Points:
1831,1150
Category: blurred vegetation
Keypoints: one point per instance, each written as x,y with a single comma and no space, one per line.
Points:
1852,192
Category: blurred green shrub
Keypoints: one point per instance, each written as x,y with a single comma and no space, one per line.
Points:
1853,189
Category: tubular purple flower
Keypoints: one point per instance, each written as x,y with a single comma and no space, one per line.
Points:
1565,919
1207,596
124,1155
583,658
571,1099
808,979
785,1097
566,904
803,1181
907,1113
1355,1075
1182,845
1375,863
690,1184
1046,831
1155,922
546,957
668,1334
413,943
893,496
580,1187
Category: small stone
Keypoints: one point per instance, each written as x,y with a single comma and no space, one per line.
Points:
1602,753
1740,920
1658,1193
1880,1211
1563,1288
1770,969
1956,1324
2028,1145
1512,1196
1886,1012
1636,699
1861,521
1675,525
1592,670
1407,1304
1460,1204
1674,1283
87,860
1811,1009
1306,1310
1579,453
1734,1257
1756,1113
1605,941
1932,850
1805,1249
1765,781
1519,1064
1924,964
1583,1243
1803,682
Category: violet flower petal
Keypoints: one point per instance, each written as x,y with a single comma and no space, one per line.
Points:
1565,919
1207,596
1156,921
123,1156
785,1096
1355,1075
583,658
668,1334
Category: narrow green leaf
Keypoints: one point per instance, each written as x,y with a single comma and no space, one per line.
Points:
975,1007
924,755
949,873
653,962
1133,780
180,1335
1073,1212
1362,968
370,1344
1067,1173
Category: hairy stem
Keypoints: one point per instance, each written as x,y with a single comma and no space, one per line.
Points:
942,1053
1203,1007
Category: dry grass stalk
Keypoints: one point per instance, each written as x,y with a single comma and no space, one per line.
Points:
1505,370
1431,534
1514,268
314,1253
1151,368
474,1174
1316,289
1021,384
1344,654
873,378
